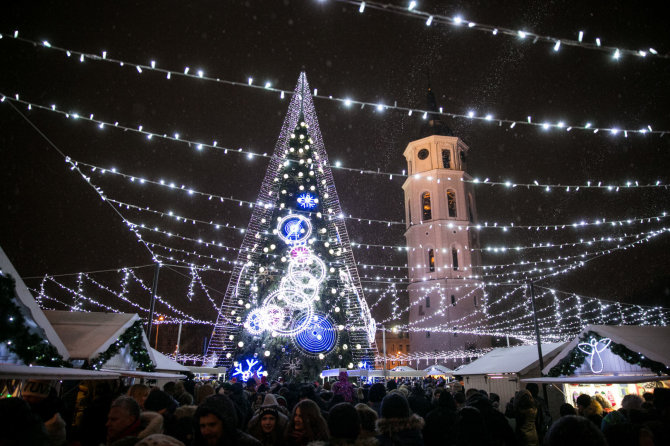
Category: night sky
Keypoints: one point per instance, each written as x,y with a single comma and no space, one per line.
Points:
54,223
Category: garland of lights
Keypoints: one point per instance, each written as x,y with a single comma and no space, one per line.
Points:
576,358
460,22
31,348
347,102
133,337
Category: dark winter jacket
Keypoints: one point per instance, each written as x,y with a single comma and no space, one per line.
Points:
498,429
223,408
440,429
400,431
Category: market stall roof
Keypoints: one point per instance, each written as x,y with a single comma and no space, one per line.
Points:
208,370
509,360
437,369
374,373
403,368
87,334
147,375
13,371
166,364
597,379
27,299
650,341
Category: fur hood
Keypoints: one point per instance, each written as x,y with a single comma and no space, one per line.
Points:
150,423
393,425
371,441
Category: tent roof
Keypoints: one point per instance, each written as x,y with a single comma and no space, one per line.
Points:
87,334
167,364
147,375
403,368
27,299
508,360
650,341
13,371
437,369
599,379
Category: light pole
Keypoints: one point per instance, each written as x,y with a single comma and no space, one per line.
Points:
161,318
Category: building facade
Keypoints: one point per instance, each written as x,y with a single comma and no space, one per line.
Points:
445,301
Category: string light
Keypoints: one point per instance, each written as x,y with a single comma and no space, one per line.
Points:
376,106
457,21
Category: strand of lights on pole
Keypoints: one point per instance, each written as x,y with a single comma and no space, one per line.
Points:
378,107
175,137
460,22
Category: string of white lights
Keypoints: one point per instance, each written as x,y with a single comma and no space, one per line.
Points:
460,22
346,102
198,145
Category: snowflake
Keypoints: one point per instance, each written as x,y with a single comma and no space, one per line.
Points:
306,201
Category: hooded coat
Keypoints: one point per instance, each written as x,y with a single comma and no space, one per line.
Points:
344,387
223,408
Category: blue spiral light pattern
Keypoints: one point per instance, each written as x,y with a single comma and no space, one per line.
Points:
319,336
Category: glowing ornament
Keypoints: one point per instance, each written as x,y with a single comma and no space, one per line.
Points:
307,201
319,335
249,372
593,349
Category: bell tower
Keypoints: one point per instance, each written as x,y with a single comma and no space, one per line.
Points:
440,210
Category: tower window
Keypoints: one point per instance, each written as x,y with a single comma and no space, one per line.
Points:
453,300
427,301
421,313
423,154
451,202
409,213
431,261
472,217
425,205
427,334
454,258
474,298
446,158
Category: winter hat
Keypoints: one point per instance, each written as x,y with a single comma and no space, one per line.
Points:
269,400
394,405
158,400
343,422
405,391
159,440
377,392
269,410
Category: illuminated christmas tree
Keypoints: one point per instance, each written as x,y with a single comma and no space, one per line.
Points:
295,293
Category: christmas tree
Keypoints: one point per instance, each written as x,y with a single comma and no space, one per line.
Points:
294,304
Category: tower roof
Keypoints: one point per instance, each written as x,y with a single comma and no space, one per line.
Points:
433,124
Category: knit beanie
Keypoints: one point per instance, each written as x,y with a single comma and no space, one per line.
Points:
269,410
394,405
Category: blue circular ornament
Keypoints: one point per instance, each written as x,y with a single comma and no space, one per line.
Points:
318,336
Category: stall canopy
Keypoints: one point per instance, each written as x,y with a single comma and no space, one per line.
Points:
437,369
86,335
648,342
403,368
518,360
601,379
374,373
13,371
26,299
166,364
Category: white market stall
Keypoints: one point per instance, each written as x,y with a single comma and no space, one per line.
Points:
500,370
438,370
612,361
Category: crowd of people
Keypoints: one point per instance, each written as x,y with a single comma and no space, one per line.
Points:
414,413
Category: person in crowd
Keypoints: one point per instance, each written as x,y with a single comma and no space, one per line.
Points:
44,402
181,426
621,416
436,397
606,405
525,414
543,418
573,430
567,409
344,387
215,424
470,428
459,399
242,405
268,425
397,426
497,428
20,426
123,422
440,428
495,401
375,396
391,385
344,426
159,440
368,418
648,398
139,392
203,392
257,401
418,402
589,408
305,424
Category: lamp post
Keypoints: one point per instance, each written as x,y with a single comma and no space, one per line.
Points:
161,318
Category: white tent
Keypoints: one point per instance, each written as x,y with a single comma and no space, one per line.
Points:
86,335
500,370
167,364
650,341
13,371
26,299
403,368
437,369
